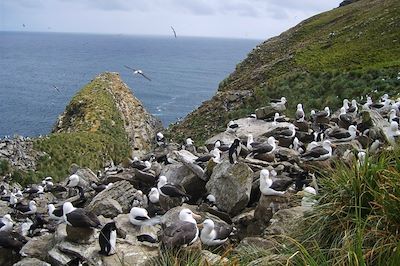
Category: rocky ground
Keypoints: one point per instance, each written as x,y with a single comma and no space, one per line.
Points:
255,217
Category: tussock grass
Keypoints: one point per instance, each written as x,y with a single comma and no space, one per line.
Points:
357,220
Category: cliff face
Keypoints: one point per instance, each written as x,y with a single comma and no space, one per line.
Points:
105,105
343,53
104,121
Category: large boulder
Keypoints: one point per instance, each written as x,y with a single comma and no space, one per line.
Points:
107,207
180,174
38,247
125,227
231,186
122,192
284,221
31,262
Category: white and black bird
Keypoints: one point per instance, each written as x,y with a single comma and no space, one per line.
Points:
73,180
343,135
222,147
299,115
279,104
27,209
232,127
353,108
234,151
345,119
214,235
55,214
108,239
160,139
266,183
138,71
368,104
183,232
170,190
318,153
323,114
393,133
6,223
154,195
78,217
138,216
267,147
173,30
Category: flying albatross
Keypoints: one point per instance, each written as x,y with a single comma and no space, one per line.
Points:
138,71
183,232
173,30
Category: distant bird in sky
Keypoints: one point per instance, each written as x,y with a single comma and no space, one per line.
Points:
138,71
56,88
174,31
23,25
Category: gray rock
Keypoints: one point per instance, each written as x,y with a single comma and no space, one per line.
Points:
122,192
283,221
231,186
130,253
38,247
31,262
8,257
107,207
265,112
87,252
180,174
213,259
87,175
125,227
258,242
80,235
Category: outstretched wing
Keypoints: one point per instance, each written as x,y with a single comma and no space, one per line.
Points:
174,31
128,67
145,76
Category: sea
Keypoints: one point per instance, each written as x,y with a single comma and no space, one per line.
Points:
184,72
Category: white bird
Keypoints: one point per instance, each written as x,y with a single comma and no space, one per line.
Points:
55,214
367,105
26,226
342,135
154,195
318,153
299,113
279,104
6,223
393,132
73,180
308,197
266,183
212,235
138,216
232,127
138,71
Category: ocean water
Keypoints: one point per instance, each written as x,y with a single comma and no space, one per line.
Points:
184,71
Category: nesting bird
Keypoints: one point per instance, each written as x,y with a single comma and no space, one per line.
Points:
183,232
78,217
318,153
214,235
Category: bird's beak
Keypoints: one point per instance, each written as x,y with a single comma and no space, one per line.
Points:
196,216
148,217
200,226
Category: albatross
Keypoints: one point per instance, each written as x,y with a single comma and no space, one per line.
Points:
318,153
78,217
6,223
170,190
183,232
299,113
266,183
340,134
138,216
138,71
214,235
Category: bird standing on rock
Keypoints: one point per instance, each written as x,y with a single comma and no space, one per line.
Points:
212,235
234,151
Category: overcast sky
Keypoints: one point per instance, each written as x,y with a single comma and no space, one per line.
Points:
257,19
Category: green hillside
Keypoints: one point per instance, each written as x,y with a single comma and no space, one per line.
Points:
346,52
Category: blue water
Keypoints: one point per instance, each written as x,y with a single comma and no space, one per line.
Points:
184,71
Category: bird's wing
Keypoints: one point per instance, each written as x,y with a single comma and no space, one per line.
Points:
223,231
173,191
128,67
145,76
80,218
173,31
316,152
321,114
340,135
299,114
55,87
263,148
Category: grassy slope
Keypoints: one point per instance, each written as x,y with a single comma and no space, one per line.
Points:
92,133
306,62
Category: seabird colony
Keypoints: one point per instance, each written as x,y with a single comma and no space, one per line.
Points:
313,137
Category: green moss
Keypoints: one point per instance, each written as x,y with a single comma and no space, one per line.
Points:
310,65
92,133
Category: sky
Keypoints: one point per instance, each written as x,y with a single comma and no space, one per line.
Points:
252,19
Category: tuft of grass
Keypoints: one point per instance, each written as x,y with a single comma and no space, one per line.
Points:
178,258
5,167
357,220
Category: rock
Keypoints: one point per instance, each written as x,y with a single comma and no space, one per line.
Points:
4,209
125,227
267,206
107,207
180,174
145,177
31,262
283,221
87,175
213,259
265,112
38,247
185,156
122,192
130,254
89,253
231,186
80,235
347,2
56,257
